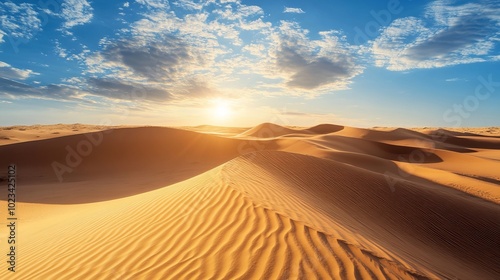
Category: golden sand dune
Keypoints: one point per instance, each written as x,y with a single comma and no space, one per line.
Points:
21,133
142,158
327,202
269,130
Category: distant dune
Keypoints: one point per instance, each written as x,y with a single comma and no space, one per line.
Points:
269,130
269,202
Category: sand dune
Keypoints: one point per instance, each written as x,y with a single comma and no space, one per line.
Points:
269,130
270,202
143,158
20,133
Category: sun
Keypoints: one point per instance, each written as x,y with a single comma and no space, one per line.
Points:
221,109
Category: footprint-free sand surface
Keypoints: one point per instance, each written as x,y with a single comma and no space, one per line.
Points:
268,202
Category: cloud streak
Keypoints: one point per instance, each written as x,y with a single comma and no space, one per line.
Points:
293,10
447,35
14,90
9,72
467,31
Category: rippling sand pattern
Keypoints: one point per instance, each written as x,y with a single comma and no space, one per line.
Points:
327,202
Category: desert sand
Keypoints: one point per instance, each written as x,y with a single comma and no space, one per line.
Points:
268,202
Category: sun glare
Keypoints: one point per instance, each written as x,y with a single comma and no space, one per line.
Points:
221,109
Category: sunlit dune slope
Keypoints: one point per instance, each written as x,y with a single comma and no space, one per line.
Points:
349,201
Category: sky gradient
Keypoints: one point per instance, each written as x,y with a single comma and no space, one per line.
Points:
240,63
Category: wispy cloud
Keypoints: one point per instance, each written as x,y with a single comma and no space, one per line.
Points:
446,35
130,91
12,89
293,10
18,21
61,52
190,4
74,13
455,80
158,4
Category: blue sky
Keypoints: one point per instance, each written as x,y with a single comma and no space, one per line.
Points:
240,63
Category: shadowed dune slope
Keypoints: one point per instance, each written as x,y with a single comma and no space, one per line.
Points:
325,128
122,149
442,131
140,158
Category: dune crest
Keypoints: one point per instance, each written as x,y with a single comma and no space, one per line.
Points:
268,130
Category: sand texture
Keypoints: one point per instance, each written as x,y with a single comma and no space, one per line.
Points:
268,202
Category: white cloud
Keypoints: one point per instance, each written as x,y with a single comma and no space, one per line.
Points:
162,60
18,21
189,55
293,10
446,35
309,66
75,12
258,25
157,4
455,80
226,49
239,12
60,51
255,49
9,72
212,48
190,4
